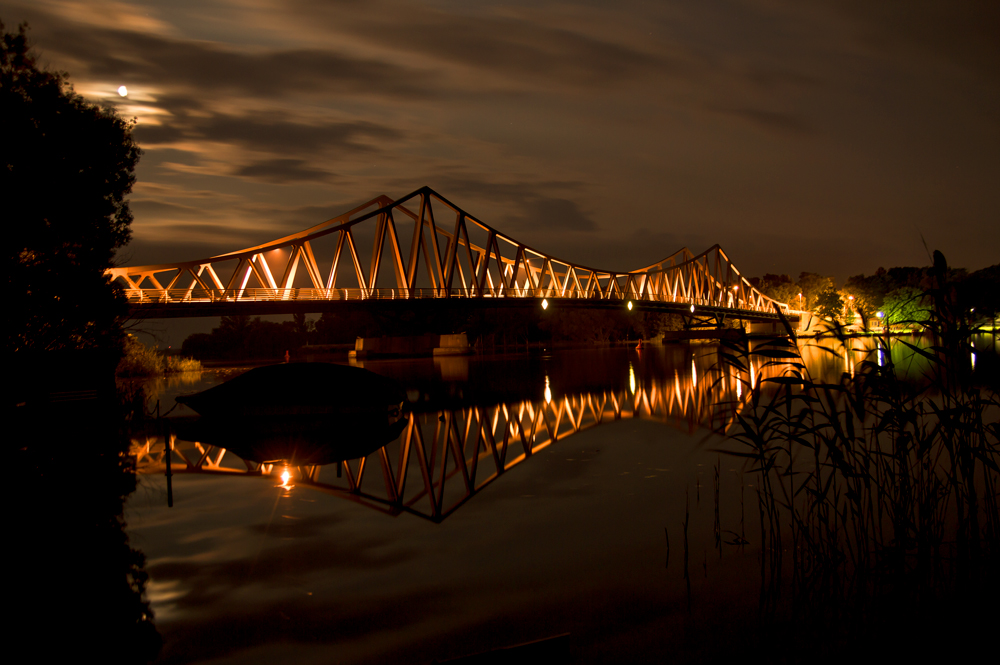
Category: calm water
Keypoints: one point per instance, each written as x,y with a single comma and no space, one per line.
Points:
552,500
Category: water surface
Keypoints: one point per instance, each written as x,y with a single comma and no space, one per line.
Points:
568,517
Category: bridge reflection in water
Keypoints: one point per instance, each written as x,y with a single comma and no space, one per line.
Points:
453,447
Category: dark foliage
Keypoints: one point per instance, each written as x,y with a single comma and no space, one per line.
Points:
894,291
65,168
829,304
803,294
882,490
243,338
78,583
778,287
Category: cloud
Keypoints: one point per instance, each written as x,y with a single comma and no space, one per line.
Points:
206,234
284,171
266,146
515,46
143,57
157,208
302,217
529,205
770,121
567,125
964,33
165,134
550,214
273,132
106,14
450,185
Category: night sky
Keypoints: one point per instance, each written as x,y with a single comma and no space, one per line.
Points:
833,137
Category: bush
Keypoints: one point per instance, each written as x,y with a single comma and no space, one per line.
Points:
140,360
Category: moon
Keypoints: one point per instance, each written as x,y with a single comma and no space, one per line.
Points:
122,90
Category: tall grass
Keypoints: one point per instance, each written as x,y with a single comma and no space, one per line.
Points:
873,488
139,361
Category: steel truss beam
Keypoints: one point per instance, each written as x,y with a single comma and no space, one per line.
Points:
472,260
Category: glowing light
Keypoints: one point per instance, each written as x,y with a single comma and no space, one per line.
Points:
880,314
973,358
630,305
692,309
545,303
739,388
694,374
548,391
631,378
122,90
286,478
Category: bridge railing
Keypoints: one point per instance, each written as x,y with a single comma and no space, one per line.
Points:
180,296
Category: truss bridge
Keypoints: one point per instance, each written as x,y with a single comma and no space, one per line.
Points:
446,456
423,247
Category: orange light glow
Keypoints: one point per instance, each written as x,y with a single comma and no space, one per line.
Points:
286,478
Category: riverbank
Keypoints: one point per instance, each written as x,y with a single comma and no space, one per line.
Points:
141,361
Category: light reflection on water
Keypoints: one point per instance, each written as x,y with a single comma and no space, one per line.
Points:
570,537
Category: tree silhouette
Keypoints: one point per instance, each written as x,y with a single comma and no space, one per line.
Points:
66,166
829,304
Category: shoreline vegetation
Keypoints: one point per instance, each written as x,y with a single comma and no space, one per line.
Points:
892,297
138,361
878,502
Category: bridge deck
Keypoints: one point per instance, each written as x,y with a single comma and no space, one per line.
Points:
260,304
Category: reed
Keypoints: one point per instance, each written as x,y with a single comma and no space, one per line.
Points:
877,488
139,360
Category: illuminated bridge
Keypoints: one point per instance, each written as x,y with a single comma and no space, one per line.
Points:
425,247
446,456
